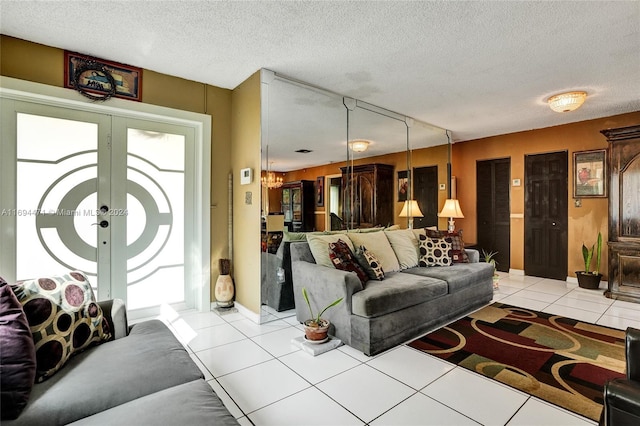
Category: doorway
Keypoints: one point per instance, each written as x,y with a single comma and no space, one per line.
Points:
425,192
545,217
104,194
493,207
333,205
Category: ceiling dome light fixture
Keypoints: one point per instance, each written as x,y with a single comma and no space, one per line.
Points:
359,145
565,102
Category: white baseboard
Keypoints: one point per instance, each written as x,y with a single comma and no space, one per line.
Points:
242,310
516,271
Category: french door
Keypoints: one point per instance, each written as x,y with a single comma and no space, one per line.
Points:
100,193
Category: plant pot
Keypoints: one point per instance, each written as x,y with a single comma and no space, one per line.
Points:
316,332
496,281
590,281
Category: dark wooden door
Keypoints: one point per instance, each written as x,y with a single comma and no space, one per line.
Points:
545,215
425,192
493,178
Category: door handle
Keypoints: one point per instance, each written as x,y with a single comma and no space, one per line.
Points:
103,224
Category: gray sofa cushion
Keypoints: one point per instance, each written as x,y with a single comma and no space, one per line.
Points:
192,403
397,291
458,276
149,359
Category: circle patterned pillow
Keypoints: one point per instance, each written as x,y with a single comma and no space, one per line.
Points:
63,316
369,263
435,251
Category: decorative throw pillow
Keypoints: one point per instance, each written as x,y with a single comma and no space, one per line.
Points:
458,255
342,258
64,318
435,251
294,236
319,243
378,243
369,263
17,355
405,245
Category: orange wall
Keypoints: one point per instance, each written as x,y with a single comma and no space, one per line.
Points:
435,156
584,222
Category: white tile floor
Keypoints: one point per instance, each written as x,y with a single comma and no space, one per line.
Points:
264,380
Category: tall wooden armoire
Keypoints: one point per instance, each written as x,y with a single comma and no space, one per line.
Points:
372,201
624,213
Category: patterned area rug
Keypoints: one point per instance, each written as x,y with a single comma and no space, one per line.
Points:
560,360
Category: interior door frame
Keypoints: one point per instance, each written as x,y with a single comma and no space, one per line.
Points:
327,200
199,215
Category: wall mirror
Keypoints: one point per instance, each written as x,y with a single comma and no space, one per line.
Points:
310,173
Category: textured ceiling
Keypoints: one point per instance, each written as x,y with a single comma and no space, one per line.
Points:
476,68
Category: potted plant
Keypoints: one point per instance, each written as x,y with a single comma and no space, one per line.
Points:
587,278
316,328
489,257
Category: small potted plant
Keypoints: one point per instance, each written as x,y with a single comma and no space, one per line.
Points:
489,257
587,278
316,328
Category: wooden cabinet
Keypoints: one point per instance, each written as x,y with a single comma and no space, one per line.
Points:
298,204
624,213
373,194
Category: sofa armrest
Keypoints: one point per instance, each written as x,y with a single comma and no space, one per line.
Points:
632,346
115,312
324,286
474,255
621,402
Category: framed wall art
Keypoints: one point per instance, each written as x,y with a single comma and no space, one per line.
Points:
99,80
403,185
320,191
590,174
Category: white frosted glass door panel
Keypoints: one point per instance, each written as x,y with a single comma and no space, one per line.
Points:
110,195
155,218
56,180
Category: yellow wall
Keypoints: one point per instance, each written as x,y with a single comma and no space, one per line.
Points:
245,153
42,64
584,222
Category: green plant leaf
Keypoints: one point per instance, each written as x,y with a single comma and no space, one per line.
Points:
598,252
587,254
331,305
306,298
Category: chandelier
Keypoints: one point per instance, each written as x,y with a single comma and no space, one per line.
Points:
270,180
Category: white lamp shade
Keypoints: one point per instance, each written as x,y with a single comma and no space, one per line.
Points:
451,209
411,209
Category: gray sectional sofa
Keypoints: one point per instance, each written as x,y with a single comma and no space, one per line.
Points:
143,377
409,302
